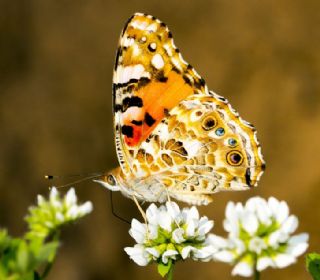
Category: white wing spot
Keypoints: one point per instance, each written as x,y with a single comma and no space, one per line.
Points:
168,49
153,46
135,50
139,24
157,61
127,42
125,74
152,27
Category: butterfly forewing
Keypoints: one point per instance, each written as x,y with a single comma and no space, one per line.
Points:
150,78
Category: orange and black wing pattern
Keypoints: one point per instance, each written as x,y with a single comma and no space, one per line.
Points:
150,78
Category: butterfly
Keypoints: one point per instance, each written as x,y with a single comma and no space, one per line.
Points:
174,138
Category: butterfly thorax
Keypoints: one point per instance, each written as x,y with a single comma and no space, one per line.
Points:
143,188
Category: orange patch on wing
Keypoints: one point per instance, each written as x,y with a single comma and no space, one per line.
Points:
157,98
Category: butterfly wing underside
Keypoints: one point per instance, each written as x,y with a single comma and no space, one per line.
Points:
150,78
173,136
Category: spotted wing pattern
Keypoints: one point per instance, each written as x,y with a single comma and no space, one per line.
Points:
173,136
150,78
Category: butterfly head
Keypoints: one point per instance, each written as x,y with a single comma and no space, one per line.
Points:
111,180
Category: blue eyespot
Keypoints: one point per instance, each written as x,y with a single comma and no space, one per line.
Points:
232,142
219,131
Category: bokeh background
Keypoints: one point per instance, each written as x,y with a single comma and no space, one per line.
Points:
56,61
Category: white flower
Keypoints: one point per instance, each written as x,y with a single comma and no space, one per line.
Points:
170,234
259,236
50,214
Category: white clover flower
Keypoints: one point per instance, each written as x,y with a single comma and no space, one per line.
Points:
171,234
50,214
259,236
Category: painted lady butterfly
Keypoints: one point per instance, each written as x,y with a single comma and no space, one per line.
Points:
173,136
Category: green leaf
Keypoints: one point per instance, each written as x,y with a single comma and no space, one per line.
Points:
313,265
3,271
47,252
4,240
163,269
23,256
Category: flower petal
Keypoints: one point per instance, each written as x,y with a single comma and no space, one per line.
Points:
138,231
186,251
263,263
273,204
169,254
249,222
205,226
242,268
165,221
193,213
290,225
190,230
71,198
217,241
205,253
299,238
283,260
297,249
238,245
138,255
153,252
85,208
177,235
231,213
297,244
224,256
173,209
276,238
282,212
152,214
41,200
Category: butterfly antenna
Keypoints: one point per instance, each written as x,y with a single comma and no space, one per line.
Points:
86,178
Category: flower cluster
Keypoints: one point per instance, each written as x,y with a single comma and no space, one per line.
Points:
32,255
55,212
169,235
259,236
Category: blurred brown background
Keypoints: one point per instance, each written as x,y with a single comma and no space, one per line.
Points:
56,60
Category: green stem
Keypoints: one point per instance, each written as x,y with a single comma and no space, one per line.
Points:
47,269
170,273
256,275
256,272
49,265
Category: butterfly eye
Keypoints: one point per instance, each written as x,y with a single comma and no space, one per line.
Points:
208,123
234,158
111,180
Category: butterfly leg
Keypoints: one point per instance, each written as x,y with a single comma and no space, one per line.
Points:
143,214
169,200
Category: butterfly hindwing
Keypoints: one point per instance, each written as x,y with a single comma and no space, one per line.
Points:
201,147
